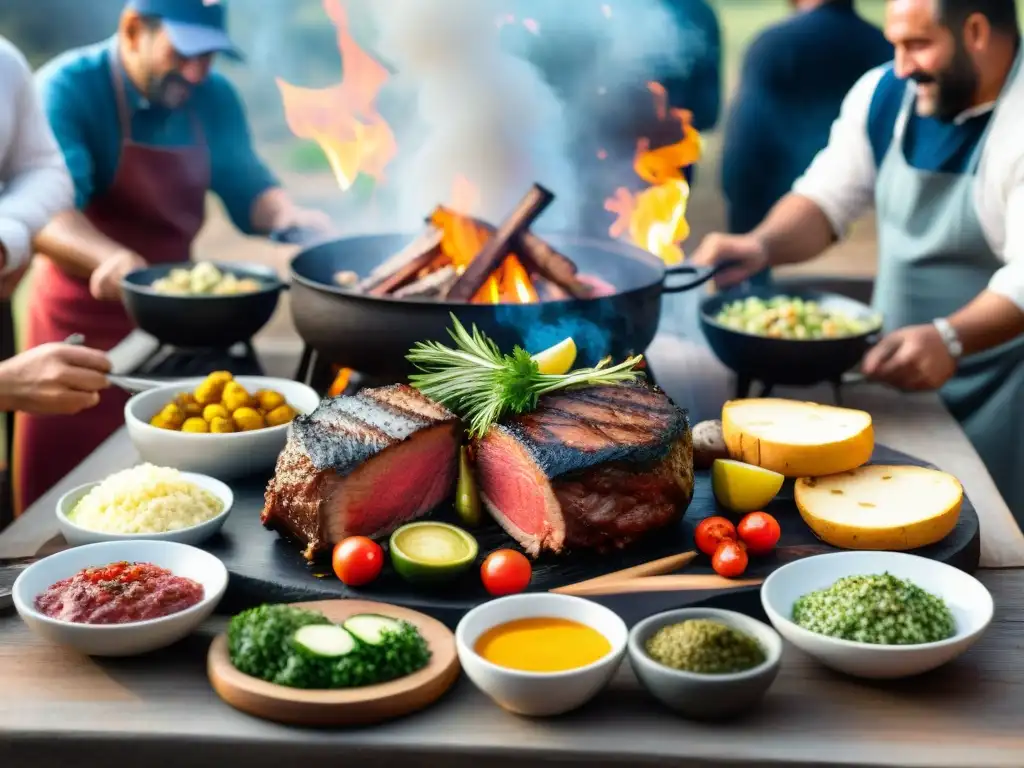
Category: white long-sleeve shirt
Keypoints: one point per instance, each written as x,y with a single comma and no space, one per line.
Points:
34,182
841,179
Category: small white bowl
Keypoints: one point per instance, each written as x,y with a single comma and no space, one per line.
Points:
224,456
120,639
967,598
540,694
75,534
702,696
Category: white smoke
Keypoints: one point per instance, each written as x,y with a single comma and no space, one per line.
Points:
486,111
482,113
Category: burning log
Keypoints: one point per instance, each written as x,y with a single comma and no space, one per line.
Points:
404,265
536,254
500,246
430,286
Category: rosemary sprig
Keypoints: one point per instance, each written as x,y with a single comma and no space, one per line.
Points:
481,385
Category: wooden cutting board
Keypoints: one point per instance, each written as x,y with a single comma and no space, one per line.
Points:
351,706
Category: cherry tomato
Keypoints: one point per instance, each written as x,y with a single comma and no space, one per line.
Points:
711,532
730,559
760,532
357,560
505,572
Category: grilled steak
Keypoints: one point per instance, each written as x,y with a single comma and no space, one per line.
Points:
362,465
594,467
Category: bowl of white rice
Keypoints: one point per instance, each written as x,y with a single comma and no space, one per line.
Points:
145,502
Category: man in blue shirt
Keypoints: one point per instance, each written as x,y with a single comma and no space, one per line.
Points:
792,84
146,130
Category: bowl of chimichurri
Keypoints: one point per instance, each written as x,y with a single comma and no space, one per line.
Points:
705,663
877,614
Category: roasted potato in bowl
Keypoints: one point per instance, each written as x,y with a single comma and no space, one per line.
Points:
183,426
221,405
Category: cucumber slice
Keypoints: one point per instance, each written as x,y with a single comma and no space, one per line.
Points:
328,641
369,627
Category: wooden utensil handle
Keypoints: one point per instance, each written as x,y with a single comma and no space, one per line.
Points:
660,567
676,583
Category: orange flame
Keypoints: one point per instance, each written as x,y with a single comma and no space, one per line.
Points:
462,239
655,218
343,118
340,383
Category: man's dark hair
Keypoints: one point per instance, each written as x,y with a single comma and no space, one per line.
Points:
1001,14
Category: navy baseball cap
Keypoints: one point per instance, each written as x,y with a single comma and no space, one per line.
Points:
195,27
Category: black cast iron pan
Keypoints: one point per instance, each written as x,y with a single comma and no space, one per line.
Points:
787,361
374,334
201,322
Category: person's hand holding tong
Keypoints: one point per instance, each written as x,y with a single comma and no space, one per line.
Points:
53,379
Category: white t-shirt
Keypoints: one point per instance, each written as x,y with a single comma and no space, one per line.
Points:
841,178
34,182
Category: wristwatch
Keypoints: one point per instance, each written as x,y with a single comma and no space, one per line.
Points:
949,337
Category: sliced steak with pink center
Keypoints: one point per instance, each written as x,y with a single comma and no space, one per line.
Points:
362,466
594,467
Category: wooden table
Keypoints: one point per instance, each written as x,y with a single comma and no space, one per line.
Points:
60,709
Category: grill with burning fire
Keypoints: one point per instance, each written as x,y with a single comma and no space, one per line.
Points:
363,301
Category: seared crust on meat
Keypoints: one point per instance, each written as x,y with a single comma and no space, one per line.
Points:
592,467
306,499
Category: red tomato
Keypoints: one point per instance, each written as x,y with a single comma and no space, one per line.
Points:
357,560
505,572
730,559
711,532
760,532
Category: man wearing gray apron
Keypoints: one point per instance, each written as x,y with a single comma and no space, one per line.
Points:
934,141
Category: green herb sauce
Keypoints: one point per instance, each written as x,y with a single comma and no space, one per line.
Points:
877,609
704,646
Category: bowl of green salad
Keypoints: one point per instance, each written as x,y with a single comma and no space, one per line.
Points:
877,615
797,336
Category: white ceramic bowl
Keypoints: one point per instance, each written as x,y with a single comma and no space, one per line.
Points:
196,534
967,598
539,694
223,456
120,639
698,695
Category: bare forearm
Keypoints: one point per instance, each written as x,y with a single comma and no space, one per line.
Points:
794,231
270,208
75,245
6,396
988,321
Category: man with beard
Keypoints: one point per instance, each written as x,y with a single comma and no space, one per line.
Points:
146,130
934,140
794,78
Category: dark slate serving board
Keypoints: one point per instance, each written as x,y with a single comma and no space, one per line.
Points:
266,568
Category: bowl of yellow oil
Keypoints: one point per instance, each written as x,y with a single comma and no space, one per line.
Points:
541,654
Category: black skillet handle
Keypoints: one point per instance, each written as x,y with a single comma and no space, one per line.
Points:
700,275
295,235
856,376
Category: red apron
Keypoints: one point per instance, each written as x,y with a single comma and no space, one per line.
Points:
155,207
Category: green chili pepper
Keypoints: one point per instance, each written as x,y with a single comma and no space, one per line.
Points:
467,499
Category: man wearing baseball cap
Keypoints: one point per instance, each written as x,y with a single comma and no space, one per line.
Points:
146,129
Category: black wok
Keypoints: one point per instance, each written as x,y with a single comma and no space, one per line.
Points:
200,322
374,334
786,361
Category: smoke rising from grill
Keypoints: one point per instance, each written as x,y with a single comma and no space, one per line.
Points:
505,103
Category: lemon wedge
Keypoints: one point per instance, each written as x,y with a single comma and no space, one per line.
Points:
743,487
558,359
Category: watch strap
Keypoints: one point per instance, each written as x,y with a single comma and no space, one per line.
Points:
949,337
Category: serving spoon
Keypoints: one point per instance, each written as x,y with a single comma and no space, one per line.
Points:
129,384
